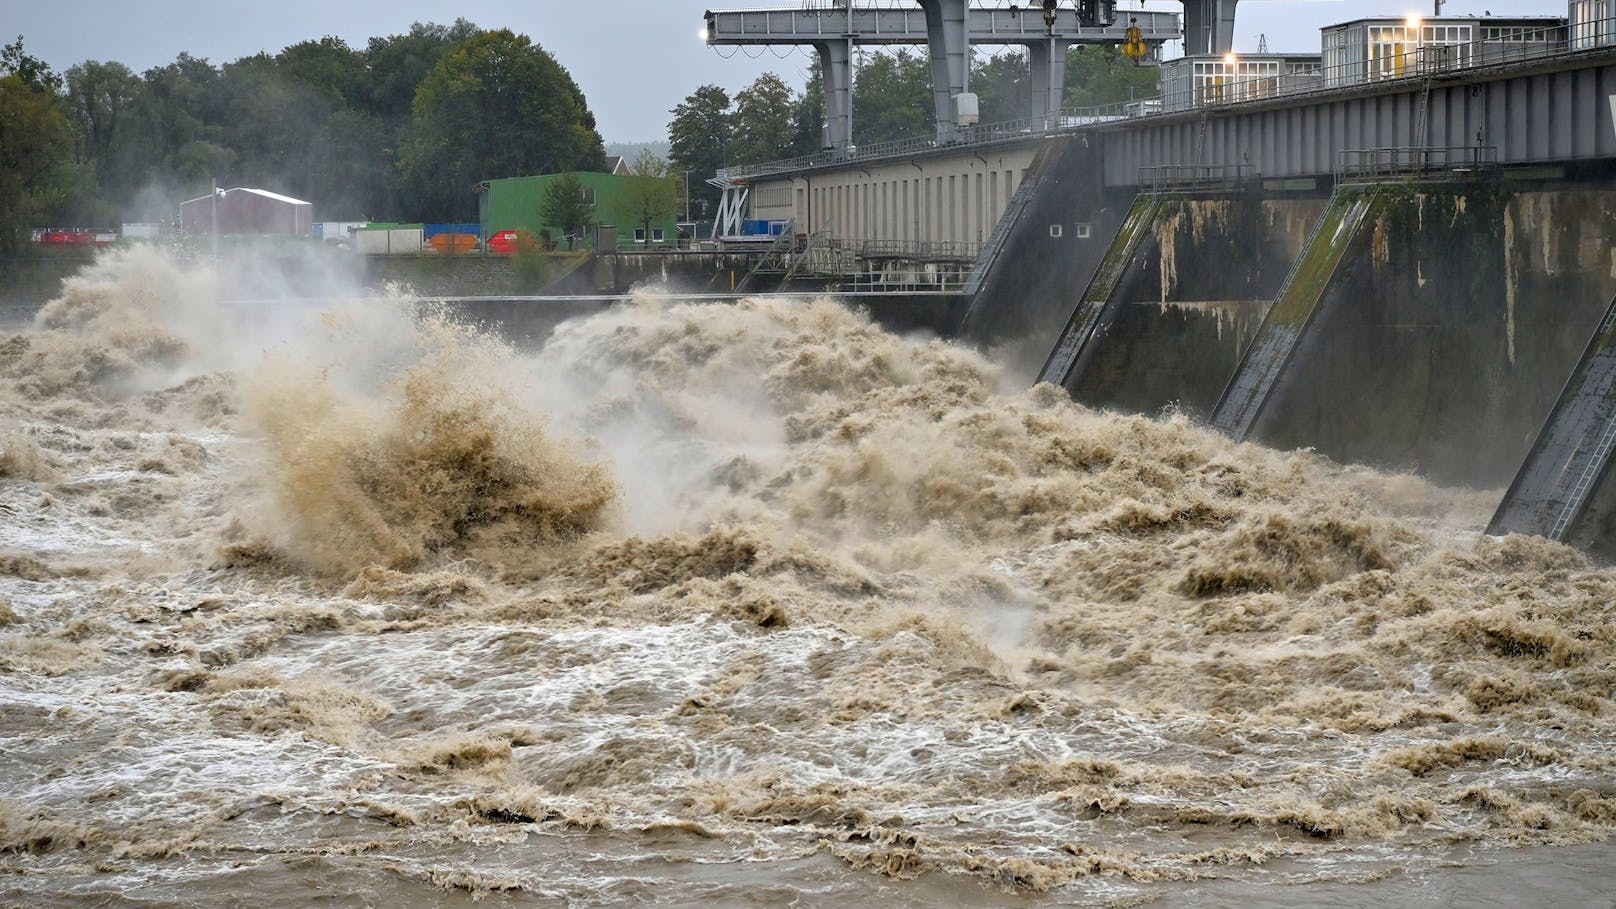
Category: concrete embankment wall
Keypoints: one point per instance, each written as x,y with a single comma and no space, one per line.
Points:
1447,330
29,281
1175,317
528,321
678,271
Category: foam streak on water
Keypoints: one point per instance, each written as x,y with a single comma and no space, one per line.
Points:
747,604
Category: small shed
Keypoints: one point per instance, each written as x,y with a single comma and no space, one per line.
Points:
245,210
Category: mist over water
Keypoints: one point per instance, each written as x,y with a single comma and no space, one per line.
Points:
750,604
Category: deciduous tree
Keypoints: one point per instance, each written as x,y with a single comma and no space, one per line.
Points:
566,205
698,138
497,105
103,99
652,194
35,146
891,97
762,128
1002,87
1098,75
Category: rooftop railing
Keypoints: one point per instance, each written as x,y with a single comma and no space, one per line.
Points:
1420,61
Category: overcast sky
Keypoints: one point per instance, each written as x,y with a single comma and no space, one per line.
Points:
634,59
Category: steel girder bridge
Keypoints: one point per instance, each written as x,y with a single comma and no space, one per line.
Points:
949,27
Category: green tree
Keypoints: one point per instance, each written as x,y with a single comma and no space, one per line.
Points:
496,105
698,137
393,67
328,66
35,147
809,116
396,65
1002,86
891,97
1098,75
34,72
566,205
652,193
103,99
176,118
762,127
272,125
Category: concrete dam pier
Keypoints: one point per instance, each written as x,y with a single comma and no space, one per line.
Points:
1460,325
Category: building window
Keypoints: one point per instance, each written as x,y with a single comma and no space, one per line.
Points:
1084,231
1055,230
656,235
639,235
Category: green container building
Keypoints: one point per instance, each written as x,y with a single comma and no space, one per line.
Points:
514,203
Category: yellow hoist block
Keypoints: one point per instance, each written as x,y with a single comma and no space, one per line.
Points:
1134,46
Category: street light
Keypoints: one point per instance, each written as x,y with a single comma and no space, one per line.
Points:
1413,22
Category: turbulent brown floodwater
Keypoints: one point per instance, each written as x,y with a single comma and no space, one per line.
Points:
740,605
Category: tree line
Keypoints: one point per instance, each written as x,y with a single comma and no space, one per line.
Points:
401,129
404,128
768,120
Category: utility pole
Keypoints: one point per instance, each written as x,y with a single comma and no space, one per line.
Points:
214,205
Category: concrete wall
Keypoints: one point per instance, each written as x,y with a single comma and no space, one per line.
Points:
32,279
1448,329
679,271
1192,294
529,322
947,197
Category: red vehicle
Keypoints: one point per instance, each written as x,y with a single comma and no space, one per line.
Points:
505,242
75,236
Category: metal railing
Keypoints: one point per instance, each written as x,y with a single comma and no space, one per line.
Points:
965,136
918,250
1362,165
1418,60
906,23
1165,177
934,278
1421,62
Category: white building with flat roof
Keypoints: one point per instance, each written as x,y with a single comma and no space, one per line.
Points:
1592,23
1369,50
1209,79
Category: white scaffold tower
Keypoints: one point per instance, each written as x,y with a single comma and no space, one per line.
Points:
731,206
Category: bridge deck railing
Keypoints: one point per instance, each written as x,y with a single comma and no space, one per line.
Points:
981,134
1168,177
1362,165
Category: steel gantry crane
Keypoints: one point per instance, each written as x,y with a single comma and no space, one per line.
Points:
948,28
